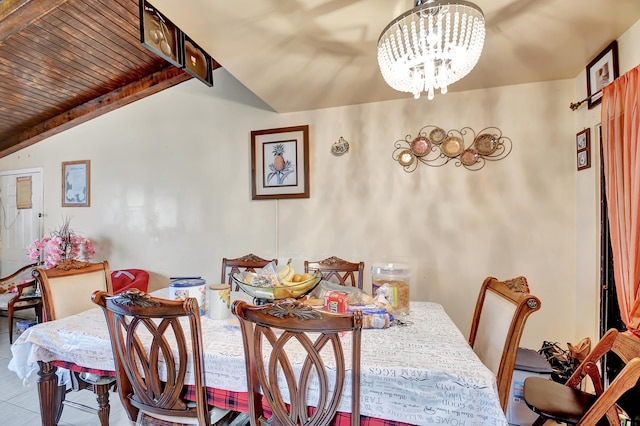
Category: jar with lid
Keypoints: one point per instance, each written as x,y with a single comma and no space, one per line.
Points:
392,281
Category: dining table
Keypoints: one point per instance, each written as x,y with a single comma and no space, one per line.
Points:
419,371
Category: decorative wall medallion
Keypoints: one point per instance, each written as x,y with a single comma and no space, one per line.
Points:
469,157
421,146
437,135
406,158
435,147
452,146
341,146
485,144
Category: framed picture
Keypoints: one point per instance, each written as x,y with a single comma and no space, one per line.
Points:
76,183
601,71
159,34
23,192
196,61
583,149
280,163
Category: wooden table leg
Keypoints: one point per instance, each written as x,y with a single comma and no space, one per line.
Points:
51,395
102,394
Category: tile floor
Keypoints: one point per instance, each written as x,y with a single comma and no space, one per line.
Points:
19,402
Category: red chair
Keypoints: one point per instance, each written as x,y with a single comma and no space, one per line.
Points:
126,279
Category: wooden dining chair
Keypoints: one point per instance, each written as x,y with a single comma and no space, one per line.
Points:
347,273
498,321
566,403
24,297
269,332
250,262
66,290
153,352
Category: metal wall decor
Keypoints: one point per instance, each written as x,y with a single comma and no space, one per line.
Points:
436,147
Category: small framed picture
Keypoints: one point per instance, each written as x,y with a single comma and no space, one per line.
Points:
76,183
23,192
159,34
280,163
602,70
583,149
196,61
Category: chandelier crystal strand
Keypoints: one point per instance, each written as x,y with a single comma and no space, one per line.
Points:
431,46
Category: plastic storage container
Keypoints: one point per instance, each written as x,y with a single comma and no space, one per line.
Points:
181,288
528,363
392,280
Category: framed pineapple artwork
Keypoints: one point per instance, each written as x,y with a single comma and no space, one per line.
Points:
280,163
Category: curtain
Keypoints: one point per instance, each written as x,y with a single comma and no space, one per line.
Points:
621,155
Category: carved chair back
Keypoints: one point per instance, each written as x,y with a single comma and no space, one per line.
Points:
347,273
156,343
66,288
269,332
500,315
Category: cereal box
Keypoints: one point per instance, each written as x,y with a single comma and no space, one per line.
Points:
336,301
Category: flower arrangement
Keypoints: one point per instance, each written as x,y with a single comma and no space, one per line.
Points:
61,246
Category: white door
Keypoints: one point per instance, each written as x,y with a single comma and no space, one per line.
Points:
21,226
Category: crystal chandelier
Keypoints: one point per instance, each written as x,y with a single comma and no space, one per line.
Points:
431,46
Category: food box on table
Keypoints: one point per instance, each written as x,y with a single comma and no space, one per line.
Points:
373,316
336,301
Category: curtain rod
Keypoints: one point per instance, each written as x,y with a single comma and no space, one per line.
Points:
575,105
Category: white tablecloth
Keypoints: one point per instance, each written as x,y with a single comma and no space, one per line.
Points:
423,373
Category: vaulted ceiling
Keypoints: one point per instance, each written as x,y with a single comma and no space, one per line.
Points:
63,62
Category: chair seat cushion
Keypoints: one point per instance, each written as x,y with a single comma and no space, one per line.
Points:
556,401
96,379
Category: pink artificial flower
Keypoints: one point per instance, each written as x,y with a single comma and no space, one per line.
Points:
34,253
60,246
89,249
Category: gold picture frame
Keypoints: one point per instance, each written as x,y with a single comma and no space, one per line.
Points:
76,183
280,163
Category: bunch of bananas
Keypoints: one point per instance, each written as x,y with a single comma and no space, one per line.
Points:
280,284
286,274
289,277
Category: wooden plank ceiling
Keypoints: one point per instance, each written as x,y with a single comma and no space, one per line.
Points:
64,62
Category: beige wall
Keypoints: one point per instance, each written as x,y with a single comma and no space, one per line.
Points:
588,197
171,192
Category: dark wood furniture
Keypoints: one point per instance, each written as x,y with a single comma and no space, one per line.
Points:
285,322
500,315
347,273
431,348
568,404
66,290
249,262
133,316
25,296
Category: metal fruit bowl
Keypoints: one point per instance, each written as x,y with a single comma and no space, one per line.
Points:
283,291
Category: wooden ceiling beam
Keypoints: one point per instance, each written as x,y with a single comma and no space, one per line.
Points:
127,94
16,15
